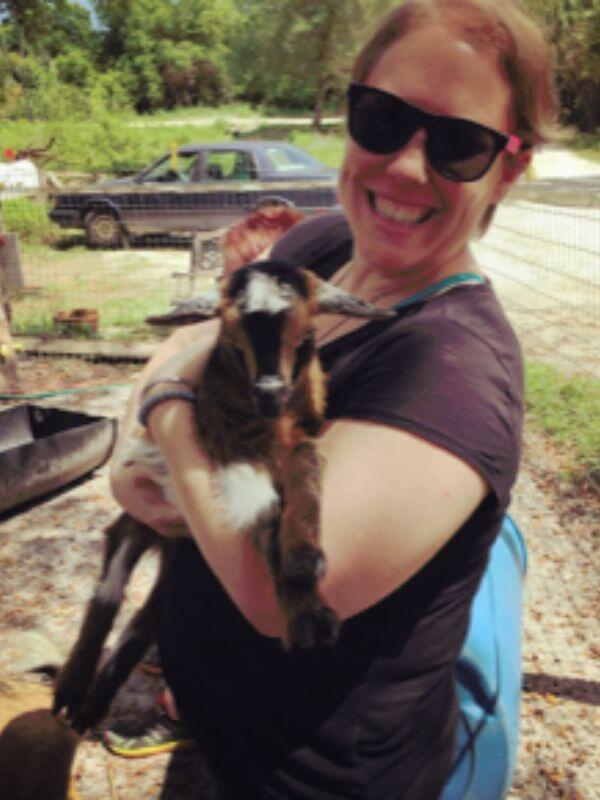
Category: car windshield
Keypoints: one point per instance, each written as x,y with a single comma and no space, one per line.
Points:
289,159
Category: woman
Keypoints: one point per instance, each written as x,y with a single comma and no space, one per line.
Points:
421,445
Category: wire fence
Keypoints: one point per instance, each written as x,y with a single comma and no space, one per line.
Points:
542,254
544,261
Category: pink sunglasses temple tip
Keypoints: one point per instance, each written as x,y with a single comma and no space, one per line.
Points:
513,145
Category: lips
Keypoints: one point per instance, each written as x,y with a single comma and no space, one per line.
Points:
400,213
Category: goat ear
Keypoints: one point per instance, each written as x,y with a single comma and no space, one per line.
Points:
194,309
333,300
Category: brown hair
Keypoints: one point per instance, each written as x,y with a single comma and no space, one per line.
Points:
498,25
246,240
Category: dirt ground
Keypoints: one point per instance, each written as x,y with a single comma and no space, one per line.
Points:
50,555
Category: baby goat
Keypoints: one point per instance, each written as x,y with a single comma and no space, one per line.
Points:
260,401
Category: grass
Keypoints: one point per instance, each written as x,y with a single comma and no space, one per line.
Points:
586,145
123,286
567,409
327,147
117,145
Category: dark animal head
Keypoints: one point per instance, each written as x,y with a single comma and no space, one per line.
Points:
267,310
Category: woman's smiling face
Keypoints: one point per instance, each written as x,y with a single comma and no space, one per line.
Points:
404,216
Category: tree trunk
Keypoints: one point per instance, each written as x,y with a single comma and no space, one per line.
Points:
318,110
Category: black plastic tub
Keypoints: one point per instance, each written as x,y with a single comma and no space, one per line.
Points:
43,449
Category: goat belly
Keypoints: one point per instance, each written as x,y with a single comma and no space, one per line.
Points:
247,494
139,449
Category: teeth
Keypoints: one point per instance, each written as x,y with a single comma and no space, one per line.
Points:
398,213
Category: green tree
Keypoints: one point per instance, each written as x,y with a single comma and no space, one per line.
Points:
170,52
75,67
47,27
298,52
573,30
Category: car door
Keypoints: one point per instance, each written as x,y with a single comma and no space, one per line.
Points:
159,202
222,187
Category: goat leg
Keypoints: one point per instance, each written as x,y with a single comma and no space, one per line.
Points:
297,561
126,541
135,640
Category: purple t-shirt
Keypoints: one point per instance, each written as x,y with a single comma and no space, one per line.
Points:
374,716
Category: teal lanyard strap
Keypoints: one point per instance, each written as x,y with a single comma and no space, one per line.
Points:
439,288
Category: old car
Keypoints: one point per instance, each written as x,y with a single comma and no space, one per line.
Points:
197,188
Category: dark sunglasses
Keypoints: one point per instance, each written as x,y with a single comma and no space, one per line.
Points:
457,149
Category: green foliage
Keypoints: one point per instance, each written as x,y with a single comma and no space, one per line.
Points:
29,219
113,144
327,147
169,53
298,55
107,143
573,30
568,409
45,28
75,67
162,54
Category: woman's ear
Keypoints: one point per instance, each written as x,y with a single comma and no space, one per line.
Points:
513,166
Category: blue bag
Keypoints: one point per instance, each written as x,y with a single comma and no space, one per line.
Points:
489,677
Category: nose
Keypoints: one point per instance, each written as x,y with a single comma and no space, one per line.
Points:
410,162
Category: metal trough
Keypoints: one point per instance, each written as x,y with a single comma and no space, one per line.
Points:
43,449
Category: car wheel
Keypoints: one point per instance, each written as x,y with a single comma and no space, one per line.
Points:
103,230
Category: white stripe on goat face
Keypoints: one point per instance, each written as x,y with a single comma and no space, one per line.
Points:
265,294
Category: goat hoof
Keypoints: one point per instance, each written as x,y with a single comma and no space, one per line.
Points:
88,716
79,724
316,628
304,566
69,696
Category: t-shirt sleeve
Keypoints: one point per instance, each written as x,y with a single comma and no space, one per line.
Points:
446,386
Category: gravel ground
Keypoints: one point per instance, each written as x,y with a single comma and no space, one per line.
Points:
49,558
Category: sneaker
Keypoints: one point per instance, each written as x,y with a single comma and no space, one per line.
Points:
164,736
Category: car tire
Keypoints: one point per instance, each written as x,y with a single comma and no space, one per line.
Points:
103,230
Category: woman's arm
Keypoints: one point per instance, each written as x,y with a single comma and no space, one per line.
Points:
390,501
133,485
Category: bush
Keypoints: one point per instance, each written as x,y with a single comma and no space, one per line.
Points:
29,219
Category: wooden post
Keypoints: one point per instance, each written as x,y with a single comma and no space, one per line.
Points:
9,378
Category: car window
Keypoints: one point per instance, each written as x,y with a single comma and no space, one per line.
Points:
289,160
229,165
172,168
